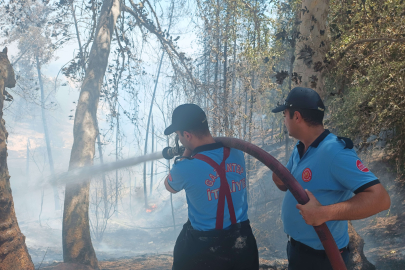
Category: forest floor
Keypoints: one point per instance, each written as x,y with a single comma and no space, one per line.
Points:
135,248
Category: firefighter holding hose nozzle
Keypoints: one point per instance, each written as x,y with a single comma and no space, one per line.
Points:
330,171
217,234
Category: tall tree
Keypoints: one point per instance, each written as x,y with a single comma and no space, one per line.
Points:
312,45
77,245
46,131
14,253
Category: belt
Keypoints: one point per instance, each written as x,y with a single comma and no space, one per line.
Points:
309,249
233,228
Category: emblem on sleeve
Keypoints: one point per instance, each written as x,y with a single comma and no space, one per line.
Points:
307,175
361,166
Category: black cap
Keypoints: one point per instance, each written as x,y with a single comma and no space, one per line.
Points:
303,98
185,117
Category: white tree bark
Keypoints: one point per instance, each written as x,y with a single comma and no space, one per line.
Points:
77,245
312,45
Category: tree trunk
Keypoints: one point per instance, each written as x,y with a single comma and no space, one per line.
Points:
151,164
13,251
225,103
116,159
147,130
100,151
312,45
77,245
27,169
47,139
357,260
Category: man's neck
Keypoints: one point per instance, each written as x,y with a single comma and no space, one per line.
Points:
203,141
309,135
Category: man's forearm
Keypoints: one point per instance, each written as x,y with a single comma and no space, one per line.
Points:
364,204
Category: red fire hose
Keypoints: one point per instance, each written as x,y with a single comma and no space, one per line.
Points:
295,188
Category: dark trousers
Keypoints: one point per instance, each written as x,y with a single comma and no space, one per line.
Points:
303,257
233,249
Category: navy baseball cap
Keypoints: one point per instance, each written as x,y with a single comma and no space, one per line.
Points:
303,98
185,117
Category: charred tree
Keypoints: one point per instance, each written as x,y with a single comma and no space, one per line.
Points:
357,259
77,245
13,251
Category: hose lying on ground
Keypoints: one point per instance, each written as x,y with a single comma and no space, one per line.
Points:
295,188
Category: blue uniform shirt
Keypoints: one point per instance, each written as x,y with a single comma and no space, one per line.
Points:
332,173
201,184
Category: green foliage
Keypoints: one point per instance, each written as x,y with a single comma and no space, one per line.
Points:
366,80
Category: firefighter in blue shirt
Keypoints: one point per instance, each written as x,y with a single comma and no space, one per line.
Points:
330,171
217,235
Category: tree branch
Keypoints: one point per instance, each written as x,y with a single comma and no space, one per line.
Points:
343,53
166,43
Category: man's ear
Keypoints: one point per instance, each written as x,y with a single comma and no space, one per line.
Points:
297,116
187,135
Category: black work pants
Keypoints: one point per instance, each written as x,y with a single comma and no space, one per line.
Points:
303,257
233,249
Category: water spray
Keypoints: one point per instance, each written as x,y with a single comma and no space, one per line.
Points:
77,175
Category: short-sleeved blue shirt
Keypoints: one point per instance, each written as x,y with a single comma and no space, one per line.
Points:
201,184
332,173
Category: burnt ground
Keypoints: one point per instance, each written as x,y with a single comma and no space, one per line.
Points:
137,248
156,262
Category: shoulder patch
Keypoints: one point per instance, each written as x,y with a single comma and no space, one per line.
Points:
361,166
347,141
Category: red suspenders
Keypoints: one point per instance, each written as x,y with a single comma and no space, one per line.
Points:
224,190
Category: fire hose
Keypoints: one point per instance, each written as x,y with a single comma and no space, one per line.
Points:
323,232
273,164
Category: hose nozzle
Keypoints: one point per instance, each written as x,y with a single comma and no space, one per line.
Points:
171,152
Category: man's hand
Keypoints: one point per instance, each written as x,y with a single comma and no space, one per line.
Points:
312,212
362,205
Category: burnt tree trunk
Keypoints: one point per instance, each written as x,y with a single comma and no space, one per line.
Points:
357,260
13,251
77,245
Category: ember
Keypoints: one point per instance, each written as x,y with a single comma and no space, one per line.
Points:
151,208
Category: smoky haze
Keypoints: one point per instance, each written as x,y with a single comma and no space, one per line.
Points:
233,58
